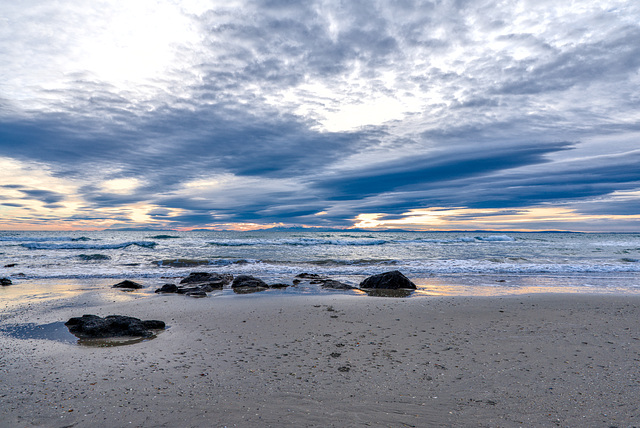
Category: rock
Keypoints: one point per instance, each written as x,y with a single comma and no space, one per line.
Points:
194,289
5,281
388,280
309,276
11,265
128,284
278,285
248,281
93,257
200,283
336,285
323,281
93,326
168,288
209,277
205,288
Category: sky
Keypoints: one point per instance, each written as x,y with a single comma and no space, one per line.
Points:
233,114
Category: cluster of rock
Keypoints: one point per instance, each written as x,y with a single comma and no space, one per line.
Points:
198,284
93,326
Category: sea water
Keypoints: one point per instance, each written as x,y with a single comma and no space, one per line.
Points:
432,259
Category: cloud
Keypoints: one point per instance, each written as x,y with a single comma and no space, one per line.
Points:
197,113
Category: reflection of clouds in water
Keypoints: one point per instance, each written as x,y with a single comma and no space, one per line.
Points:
53,331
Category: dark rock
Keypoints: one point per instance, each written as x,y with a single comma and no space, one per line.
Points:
5,281
154,324
248,281
128,284
206,287
93,257
210,286
210,277
278,285
309,276
11,265
336,285
388,280
323,281
168,288
94,326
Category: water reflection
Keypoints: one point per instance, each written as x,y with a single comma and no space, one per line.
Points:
382,292
53,331
58,332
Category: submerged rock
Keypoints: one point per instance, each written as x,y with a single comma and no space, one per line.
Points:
182,262
5,281
93,326
128,284
93,257
388,280
248,281
305,275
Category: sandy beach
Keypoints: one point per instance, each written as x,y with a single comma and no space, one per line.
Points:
335,360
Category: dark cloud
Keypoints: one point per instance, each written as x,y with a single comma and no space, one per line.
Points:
47,196
421,171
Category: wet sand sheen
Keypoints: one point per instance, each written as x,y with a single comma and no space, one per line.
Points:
338,360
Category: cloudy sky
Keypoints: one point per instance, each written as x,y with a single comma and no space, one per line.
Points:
442,114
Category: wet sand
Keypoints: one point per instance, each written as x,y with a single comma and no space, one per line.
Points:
335,360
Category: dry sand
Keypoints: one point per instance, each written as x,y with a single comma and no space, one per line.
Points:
337,360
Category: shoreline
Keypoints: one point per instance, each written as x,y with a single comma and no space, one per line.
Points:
336,360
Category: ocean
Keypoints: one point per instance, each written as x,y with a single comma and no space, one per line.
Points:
439,262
